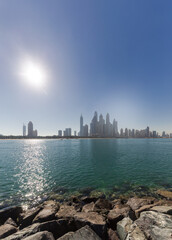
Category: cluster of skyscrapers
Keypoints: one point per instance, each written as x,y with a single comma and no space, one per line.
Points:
31,131
100,127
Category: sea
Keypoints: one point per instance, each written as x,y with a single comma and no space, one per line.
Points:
33,170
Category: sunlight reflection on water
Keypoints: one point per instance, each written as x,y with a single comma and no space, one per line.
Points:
31,176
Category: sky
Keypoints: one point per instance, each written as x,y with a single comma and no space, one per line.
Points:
111,56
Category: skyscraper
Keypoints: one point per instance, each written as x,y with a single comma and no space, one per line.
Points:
24,130
81,125
94,126
30,129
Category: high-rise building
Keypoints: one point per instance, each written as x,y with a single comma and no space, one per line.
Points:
147,132
24,130
85,132
94,126
81,125
60,133
101,126
126,132
115,128
30,129
67,132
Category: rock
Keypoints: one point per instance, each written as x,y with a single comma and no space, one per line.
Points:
135,234
52,205
118,213
155,225
89,199
10,212
163,209
135,203
28,217
88,207
112,235
47,214
103,204
165,193
84,233
11,222
143,208
67,236
66,212
24,232
93,219
6,230
41,236
123,227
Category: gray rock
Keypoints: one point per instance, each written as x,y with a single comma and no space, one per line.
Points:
136,233
85,233
11,222
6,230
28,216
155,225
163,209
41,236
93,219
123,227
135,203
24,232
46,214
10,212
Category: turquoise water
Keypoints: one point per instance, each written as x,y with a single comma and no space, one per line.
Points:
30,169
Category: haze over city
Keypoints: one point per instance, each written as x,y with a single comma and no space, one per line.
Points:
63,58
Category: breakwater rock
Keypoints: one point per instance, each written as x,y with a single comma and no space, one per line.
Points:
84,218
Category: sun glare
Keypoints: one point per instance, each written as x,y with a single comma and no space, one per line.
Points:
33,74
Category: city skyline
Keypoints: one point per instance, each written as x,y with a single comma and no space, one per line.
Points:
61,58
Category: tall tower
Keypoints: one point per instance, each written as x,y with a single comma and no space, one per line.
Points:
81,125
30,129
24,130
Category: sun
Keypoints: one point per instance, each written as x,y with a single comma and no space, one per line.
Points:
33,74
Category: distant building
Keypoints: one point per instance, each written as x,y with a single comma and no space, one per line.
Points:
81,126
30,129
154,134
67,132
31,132
147,132
60,133
75,133
24,130
163,134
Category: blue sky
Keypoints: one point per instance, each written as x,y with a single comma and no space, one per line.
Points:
110,56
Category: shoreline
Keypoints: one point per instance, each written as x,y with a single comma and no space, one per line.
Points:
88,215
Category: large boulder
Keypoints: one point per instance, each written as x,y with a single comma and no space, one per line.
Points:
84,233
6,230
165,193
143,208
41,236
155,225
163,209
112,235
135,203
93,219
103,204
124,227
28,216
118,213
44,215
10,212
88,207
48,212
66,211
135,233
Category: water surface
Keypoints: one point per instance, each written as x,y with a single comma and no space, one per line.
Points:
30,169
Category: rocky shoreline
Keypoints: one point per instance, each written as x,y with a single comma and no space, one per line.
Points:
91,217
